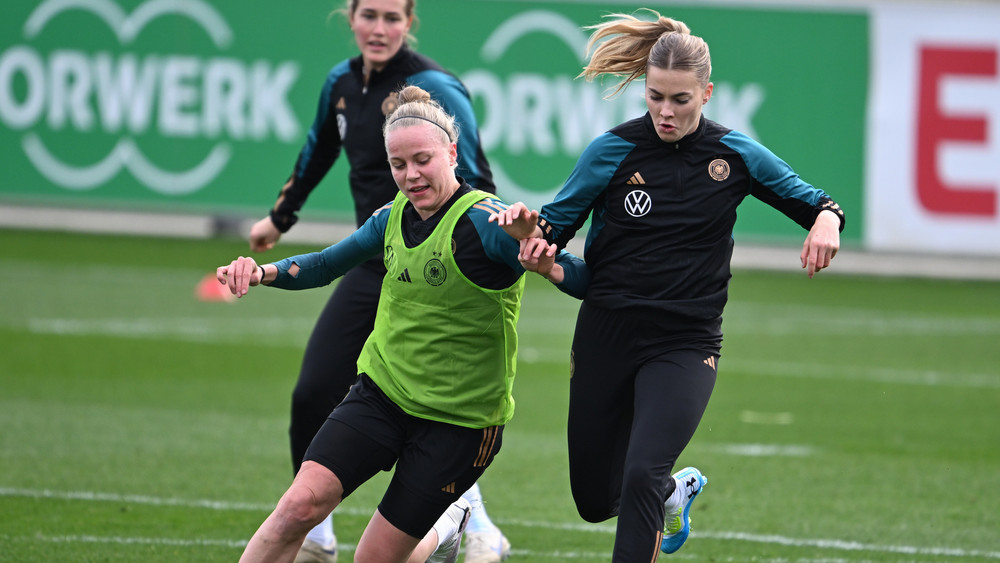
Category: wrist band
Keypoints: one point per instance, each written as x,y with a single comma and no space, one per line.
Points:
544,226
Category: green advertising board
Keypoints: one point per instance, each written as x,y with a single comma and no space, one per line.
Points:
174,105
200,105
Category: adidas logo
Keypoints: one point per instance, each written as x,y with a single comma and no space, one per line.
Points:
405,276
710,362
449,488
635,180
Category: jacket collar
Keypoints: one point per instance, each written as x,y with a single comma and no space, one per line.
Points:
685,141
357,65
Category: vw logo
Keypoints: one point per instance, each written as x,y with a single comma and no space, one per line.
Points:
638,203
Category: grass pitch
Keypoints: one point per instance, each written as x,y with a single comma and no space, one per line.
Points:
854,419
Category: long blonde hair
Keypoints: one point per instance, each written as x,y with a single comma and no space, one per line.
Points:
634,44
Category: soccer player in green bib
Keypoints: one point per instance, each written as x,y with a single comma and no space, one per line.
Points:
435,376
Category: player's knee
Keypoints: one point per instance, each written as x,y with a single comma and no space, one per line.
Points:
594,510
299,509
641,477
594,516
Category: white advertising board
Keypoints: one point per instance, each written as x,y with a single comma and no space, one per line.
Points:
933,140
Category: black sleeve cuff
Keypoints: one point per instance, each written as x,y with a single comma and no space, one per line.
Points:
830,205
546,229
283,221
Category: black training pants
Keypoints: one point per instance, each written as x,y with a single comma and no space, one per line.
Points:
637,394
330,363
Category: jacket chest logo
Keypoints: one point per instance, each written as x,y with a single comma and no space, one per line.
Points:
718,169
341,126
638,203
435,272
390,103
341,118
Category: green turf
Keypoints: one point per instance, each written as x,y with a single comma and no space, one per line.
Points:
855,418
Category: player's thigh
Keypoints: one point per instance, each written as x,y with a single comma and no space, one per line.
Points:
439,463
604,363
363,435
671,395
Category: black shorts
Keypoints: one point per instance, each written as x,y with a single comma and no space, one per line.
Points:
435,462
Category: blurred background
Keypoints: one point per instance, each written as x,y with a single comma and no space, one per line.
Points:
185,119
144,418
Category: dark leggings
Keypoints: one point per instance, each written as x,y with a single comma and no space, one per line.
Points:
330,363
636,398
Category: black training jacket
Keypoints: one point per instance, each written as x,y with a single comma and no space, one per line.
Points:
350,116
661,236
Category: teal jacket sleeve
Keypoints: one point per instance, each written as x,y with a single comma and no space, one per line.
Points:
576,275
317,269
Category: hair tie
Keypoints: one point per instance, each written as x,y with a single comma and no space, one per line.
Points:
439,126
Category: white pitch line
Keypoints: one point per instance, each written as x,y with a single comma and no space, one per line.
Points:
131,541
240,544
184,329
155,501
759,450
841,545
848,545
929,378
202,329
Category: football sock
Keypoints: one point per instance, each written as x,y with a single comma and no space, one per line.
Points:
479,521
323,532
445,528
676,498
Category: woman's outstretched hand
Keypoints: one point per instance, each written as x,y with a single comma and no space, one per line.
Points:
536,255
822,243
239,275
518,221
